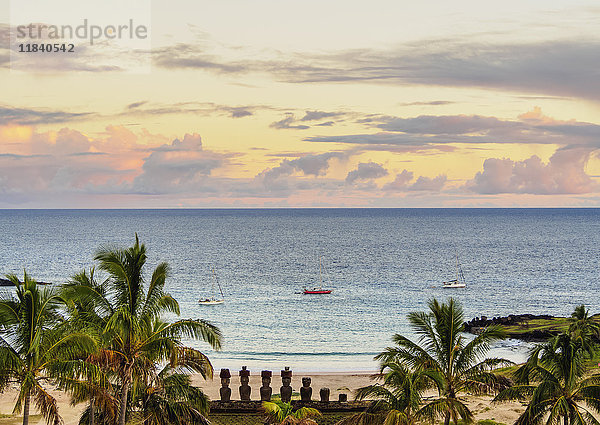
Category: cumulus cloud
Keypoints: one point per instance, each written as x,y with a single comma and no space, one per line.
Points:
563,174
430,184
315,165
177,167
402,183
366,171
63,142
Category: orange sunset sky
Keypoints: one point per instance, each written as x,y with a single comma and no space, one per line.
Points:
306,104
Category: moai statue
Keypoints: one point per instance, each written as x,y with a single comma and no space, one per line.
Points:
266,391
225,390
325,394
245,388
286,390
306,390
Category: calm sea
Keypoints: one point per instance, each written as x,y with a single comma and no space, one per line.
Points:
380,263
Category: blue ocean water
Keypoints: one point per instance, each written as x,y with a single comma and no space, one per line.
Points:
381,264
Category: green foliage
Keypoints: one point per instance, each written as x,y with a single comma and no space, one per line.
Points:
584,329
554,382
126,315
449,363
278,412
397,398
35,345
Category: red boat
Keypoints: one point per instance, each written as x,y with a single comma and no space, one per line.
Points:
317,291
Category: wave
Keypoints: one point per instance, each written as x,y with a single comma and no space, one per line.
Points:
296,354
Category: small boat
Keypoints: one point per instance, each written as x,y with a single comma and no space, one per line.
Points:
460,281
214,300
317,290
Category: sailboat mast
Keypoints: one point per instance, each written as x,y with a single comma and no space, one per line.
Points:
215,278
457,266
320,276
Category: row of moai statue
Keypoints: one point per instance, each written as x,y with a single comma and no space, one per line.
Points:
266,391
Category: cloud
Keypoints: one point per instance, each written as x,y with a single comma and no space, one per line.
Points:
315,165
183,55
319,115
177,167
430,103
402,183
555,67
290,121
286,123
63,142
136,105
430,184
427,132
446,125
563,174
27,116
143,108
366,171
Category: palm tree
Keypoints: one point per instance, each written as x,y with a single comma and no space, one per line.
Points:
584,329
553,378
84,314
444,355
284,414
136,336
397,398
170,399
35,347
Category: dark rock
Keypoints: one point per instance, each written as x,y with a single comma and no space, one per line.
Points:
6,282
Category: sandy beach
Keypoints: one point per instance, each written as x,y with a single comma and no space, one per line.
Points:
337,382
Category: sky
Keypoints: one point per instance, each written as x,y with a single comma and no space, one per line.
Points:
302,104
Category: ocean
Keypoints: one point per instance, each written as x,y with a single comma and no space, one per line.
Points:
380,263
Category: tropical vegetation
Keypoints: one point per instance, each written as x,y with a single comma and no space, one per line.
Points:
282,413
554,379
397,399
443,359
35,346
107,343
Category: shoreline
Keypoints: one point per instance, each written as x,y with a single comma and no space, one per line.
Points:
337,382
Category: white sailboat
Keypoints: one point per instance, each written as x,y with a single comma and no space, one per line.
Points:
317,289
213,300
460,281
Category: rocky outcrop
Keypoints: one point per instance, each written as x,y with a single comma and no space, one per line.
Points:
516,326
6,282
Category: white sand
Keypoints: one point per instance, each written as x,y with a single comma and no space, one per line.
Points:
481,406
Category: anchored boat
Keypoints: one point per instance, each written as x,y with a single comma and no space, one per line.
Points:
317,290
460,281
214,299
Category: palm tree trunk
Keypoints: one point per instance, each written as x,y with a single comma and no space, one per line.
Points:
26,409
447,419
565,420
124,394
92,411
